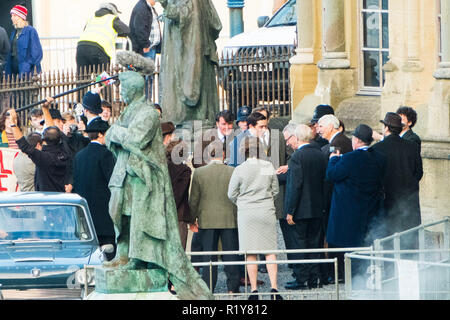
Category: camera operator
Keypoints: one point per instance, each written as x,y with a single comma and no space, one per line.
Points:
51,162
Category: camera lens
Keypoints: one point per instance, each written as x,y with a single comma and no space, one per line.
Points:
7,114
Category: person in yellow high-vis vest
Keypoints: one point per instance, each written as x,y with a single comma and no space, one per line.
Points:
97,42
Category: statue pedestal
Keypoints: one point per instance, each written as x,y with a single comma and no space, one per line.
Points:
115,281
132,296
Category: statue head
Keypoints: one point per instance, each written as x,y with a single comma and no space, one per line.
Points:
132,86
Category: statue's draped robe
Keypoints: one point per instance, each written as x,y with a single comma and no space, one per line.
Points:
141,188
189,57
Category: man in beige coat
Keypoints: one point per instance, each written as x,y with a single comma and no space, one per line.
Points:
216,215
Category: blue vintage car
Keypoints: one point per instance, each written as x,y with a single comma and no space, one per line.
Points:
46,239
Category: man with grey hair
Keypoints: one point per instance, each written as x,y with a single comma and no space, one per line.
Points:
303,206
328,128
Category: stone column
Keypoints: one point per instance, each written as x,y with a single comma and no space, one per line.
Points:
412,63
305,33
236,19
444,67
303,71
333,37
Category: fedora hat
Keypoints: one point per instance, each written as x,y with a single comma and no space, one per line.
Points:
167,127
392,120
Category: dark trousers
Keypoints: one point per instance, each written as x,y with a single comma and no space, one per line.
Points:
306,235
90,56
230,242
287,231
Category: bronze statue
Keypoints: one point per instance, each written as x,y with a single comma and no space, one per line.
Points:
142,205
189,58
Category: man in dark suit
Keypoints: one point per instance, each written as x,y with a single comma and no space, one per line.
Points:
222,132
303,206
409,119
331,129
92,169
401,180
357,193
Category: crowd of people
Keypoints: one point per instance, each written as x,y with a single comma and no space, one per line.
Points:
323,186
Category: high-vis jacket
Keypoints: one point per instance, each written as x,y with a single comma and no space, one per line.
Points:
100,30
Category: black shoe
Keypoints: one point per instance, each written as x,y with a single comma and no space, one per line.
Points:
275,296
325,281
291,282
254,297
296,286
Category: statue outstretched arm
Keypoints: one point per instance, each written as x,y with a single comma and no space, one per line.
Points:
139,133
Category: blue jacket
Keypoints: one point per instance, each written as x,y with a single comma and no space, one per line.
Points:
357,196
29,51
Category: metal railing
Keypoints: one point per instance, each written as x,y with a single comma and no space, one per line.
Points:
289,294
427,267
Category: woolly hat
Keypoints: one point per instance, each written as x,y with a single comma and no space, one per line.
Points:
20,11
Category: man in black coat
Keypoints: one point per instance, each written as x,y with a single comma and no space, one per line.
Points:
92,169
320,111
51,162
303,206
401,180
142,18
409,119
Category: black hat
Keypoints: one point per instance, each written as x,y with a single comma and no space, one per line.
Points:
320,111
92,102
243,113
55,114
167,127
97,125
364,132
393,120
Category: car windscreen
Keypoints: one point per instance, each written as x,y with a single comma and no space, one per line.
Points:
286,16
43,222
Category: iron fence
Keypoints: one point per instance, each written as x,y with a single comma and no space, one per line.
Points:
252,77
256,76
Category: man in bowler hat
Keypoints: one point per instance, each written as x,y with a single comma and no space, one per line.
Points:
92,169
357,194
400,180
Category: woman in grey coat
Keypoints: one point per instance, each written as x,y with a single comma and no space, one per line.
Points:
253,188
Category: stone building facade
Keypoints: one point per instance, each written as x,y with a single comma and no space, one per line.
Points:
368,57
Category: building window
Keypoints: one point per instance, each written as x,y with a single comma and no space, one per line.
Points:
374,43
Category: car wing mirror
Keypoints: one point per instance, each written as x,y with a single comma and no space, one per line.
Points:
262,21
107,248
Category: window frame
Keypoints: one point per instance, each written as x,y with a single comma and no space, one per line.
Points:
362,88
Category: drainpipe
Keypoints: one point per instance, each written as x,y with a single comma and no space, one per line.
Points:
236,19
